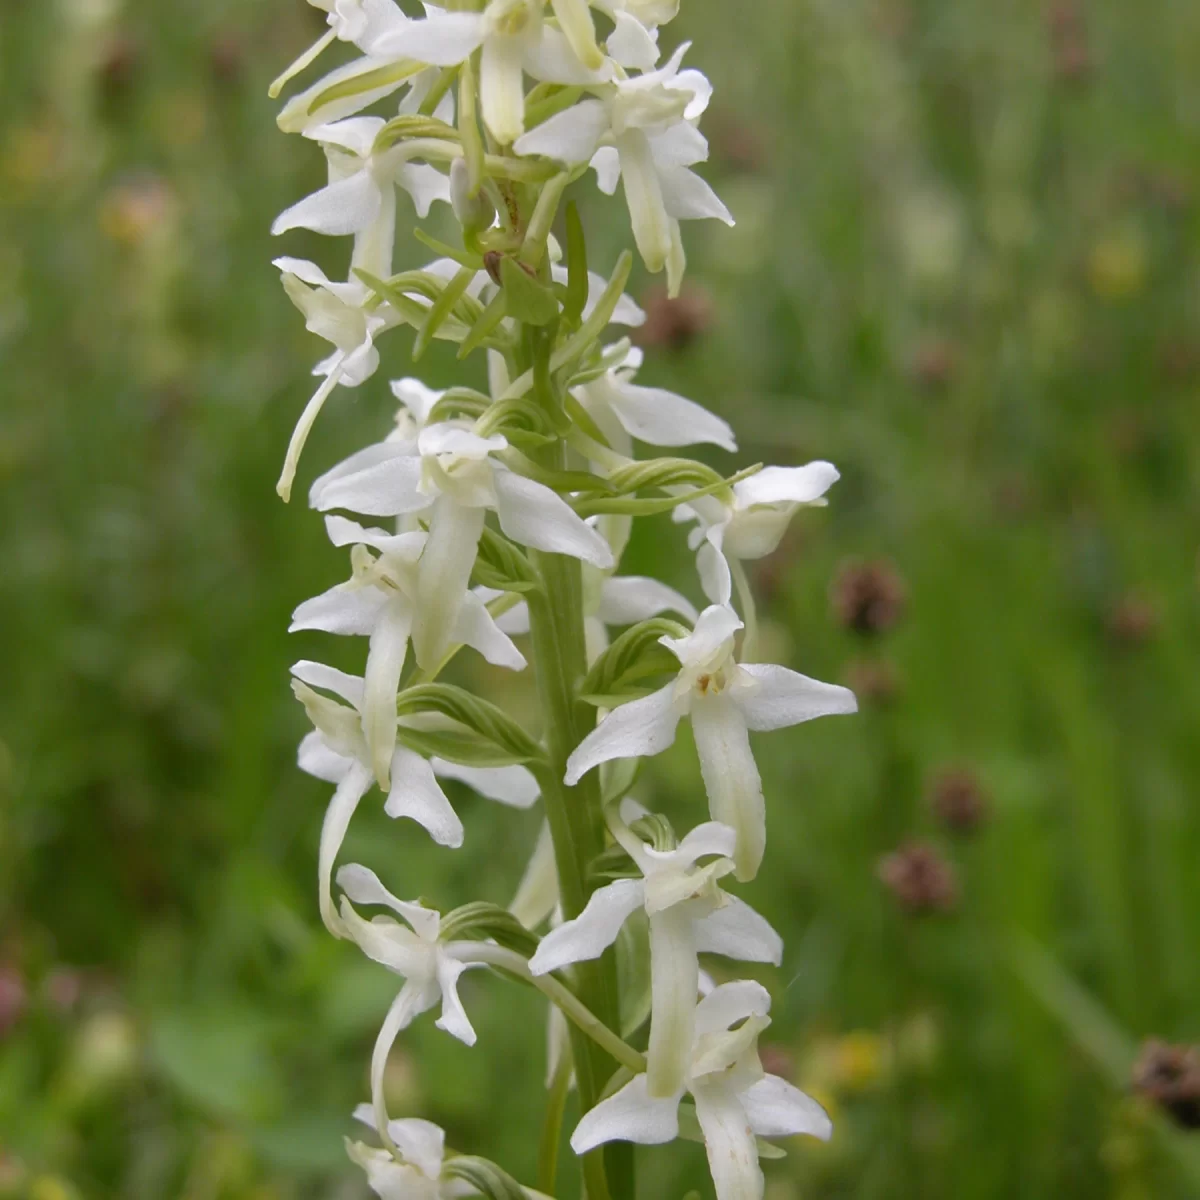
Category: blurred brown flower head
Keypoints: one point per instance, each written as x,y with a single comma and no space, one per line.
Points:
13,998
1133,621
1069,41
876,682
675,323
1170,1077
958,799
920,879
868,597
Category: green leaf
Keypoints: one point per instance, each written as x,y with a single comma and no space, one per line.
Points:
485,1177
480,716
444,250
457,746
577,270
484,327
593,328
633,657
480,920
441,309
525,299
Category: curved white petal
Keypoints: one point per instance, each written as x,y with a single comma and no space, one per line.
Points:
780,485
413,999
674,983
570,137
514,786
442,39
689,198
713,568
593,931
346,608
415,794
387,489
330,679
421,1143
317,758
444,574
631,44
308,418
414,395
502,86
729,1142
731,778
424,184
363,886
454,1018
735,930
371,456
406,547
606,162
381,682
350,790
710,838
355,135
639,729
476,628
627,599
630,1115
515,621
530,513
344,207
682,145
778,697
775,1108
662,418
715,627
730,1003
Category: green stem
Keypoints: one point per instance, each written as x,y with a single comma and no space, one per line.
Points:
574,813
556,1102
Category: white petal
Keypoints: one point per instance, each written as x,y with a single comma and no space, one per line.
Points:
593,931
682,145
606,162
424,184
570,136
575,19
444,574
412,1000
737,931
477,629
731,778
415,794
308,417
347,608
530,513
776,1109
708,839
356,135
732,1153
502,87
363,886
551,60
627,599
730,1003
515,621
514,786
643,195
298,115
628,312
454,1018
381,682
631,44
415,396
371,456
387,489
713,568
442,39
317,758
352,788
779,697
715,627
537,894
629,1115
641,728
406,547
341,208
330,679
422,1143
689,198
795,485
674,982
662,418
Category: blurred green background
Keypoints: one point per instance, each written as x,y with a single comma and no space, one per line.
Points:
965,270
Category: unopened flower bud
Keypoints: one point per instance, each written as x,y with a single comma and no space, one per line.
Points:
475,213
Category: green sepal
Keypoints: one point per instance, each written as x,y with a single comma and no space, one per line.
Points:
617,779
612,864
525,299
464,258
481,920
485,326
656,831
480,716
484,1176
578,344
566,483
634,656
457,746
662,473
627,506
441,309
500,565
577,270
633,967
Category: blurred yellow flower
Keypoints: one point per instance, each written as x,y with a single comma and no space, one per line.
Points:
135,209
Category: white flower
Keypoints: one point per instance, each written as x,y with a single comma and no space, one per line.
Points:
378,602
725,700
360,198
337,313
735,1100
688,914
413,951
643,135
414,1171
337,752
753,525
453,476
623,410
515,41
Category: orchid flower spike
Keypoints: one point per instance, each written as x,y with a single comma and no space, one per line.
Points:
412,950
735,1099
337,752
689,914
725,700
753,524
